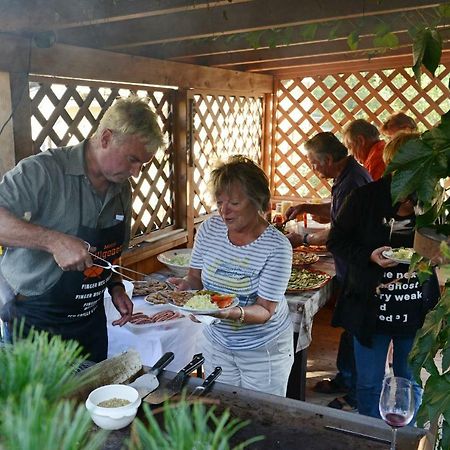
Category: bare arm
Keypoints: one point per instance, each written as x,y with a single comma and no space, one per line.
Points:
318,209
317,238
70,252
191,282
258,313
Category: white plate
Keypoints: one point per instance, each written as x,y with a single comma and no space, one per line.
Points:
150,310
389,254
207,311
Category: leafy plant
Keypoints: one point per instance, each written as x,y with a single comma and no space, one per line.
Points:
33,422
187,426
420,167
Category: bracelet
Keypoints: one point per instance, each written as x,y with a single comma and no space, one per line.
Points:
241,315
112,285
305,239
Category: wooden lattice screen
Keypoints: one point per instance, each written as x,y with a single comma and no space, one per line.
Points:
305,106
65,113
222,125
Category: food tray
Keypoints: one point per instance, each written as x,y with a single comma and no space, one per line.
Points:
322,279
304,258
318,249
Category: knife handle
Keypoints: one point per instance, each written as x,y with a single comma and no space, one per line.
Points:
197,361
162,362
210,379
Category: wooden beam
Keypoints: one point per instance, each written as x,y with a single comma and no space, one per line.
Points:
326,59
301,50
325,32
230,19
7,157
35,16
74,62
356,65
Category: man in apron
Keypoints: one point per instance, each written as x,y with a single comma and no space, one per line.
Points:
59,207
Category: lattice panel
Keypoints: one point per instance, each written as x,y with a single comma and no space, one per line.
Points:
222,126
305,106
65,114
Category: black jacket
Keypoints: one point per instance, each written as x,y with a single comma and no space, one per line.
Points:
359,229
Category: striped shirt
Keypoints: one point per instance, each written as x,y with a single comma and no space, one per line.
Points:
259,269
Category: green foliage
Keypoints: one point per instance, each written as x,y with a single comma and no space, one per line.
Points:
427,50
185,427
33,422
353,40
39,359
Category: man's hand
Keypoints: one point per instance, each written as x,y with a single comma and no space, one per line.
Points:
70,252
122,303
293,211
378,258
295,239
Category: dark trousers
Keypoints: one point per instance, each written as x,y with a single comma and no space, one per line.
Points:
345,364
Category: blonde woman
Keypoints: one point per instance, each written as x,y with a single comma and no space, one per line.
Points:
240,253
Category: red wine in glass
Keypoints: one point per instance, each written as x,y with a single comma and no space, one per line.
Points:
396,404
396,420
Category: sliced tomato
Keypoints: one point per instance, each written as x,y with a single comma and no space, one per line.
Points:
216,298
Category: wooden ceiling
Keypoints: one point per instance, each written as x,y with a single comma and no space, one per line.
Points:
262,36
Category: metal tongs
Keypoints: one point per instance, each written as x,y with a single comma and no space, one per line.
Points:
116,268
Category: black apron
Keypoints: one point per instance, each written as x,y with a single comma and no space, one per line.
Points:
73,308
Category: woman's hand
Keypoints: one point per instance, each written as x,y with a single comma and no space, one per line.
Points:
378,258
181,284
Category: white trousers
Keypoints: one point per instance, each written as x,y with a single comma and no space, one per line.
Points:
265,369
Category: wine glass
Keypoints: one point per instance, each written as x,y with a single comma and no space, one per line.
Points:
396,404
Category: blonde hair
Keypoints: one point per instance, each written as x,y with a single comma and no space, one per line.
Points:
132,116
395,143
242,170
398,121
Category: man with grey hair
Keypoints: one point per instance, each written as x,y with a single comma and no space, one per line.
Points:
329,159
363,140
61,209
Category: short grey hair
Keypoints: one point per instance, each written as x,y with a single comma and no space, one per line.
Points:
326,144
133,116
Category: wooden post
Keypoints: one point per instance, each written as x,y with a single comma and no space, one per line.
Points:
7,160
180,159
21,104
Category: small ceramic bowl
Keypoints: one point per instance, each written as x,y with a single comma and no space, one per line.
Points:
117,417
170,257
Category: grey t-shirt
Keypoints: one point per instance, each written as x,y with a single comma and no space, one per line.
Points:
44,189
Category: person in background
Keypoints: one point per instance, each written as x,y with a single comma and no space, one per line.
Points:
381,302
363,140
329,159
238,252
398,122
60,208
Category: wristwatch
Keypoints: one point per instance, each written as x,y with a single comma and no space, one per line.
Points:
305,239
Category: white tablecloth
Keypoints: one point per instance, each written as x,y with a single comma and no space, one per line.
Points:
180,336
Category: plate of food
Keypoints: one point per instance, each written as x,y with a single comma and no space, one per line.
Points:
319,250
176,298
304,258
306,279
154,316
147,287
402,255
209,302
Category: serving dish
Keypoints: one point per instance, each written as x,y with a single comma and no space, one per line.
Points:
166,316
303,279
304,258
177,260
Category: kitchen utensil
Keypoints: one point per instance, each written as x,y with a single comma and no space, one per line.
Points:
149,382
206,386
116,268
174,386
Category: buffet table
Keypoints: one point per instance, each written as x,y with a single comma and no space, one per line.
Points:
303,307
183,336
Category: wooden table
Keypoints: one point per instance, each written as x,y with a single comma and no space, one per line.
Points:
303,307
